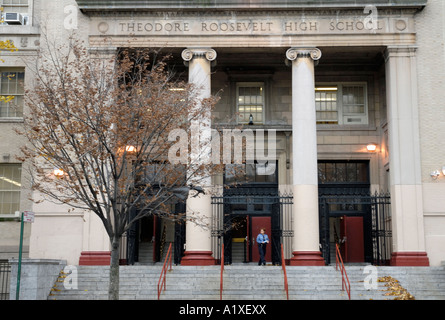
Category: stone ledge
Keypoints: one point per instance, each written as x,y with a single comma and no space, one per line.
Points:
37,277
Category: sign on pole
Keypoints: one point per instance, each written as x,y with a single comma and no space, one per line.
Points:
28,216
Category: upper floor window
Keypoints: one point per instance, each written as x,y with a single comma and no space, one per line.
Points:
344,103
20,6
15,12
12,92
10,186
250,102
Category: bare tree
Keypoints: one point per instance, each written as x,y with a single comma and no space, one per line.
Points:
104,123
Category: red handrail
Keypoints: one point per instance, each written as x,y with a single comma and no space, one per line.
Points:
167,262
221,275
283,264
345,284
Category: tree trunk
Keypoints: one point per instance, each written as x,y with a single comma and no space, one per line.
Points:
113,290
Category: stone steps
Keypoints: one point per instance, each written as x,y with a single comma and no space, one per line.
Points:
249,281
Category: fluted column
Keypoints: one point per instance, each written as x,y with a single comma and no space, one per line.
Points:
306,241
199,208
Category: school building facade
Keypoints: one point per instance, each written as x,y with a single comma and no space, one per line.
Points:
351,92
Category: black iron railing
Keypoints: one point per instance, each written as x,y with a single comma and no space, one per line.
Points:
5,279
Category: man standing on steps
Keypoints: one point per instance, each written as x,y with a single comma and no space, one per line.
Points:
262,239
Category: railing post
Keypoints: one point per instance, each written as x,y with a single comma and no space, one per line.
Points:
344,275
163,276
222,270
283,265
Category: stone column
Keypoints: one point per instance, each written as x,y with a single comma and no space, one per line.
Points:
306,241
404,153
199,208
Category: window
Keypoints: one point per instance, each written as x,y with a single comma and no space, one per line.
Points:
250,102
10,185
343,172
341,104
11,85
265,172
19,6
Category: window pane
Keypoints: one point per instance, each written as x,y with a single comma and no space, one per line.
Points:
340,172
10,185
326,104
353,99
11,84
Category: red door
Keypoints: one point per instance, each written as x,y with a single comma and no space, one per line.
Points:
257,224
352,232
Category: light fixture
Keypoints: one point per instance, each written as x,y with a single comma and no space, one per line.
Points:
435,174
130,148
58,172
371,147
443,170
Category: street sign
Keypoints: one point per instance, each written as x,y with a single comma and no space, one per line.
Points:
28,216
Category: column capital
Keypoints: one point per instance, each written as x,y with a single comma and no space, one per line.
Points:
299,52
189,53
399,51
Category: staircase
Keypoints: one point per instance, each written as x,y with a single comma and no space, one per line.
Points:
250,282
238,252
145,253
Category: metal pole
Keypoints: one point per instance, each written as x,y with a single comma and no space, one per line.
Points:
19,270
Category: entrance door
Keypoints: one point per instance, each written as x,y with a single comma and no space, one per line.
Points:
257,224
351,231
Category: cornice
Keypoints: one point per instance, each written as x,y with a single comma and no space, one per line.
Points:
232,14
88,6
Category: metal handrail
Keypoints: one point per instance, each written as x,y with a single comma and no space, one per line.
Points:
345,284
283,265
163,276
222,270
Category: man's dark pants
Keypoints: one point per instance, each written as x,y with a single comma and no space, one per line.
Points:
262,251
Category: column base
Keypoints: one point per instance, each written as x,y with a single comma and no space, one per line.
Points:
307,258
198,258
410,259
95,258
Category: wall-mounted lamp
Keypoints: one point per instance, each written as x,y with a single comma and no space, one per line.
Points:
130,148
371,147
58,172
435,174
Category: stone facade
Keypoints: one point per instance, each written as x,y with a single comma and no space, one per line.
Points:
400,59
